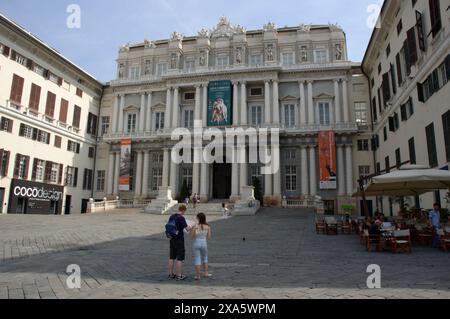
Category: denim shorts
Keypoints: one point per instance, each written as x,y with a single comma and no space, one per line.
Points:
200,252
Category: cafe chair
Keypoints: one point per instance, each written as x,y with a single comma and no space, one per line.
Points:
372,241
321,227
401,241
331,225
444,238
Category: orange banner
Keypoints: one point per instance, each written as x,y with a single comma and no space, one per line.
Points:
327,160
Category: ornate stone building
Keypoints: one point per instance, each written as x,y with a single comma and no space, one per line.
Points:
297,79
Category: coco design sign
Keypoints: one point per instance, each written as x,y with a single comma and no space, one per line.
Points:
37,193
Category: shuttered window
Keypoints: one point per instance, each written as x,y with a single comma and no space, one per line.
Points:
50,106
431,143
35,97
412,46
76,116
16,89
63,111
435,17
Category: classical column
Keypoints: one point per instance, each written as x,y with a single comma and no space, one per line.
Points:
235,103
311,115
204,185
173,177
243,174
277,183
116,173
166,163
341,170
268,185
148,121
198,104
234,176
313,171
121,110
138,183
146,174
276,104
115,114
243,108
196,171
205,105
167,115
141,127
304,170
337,102
176,108
111,174
346,106
349,169
267,111
303,118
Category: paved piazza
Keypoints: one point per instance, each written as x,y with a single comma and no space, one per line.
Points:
124,255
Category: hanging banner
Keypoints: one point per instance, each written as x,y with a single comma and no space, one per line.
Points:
125,165
220,103
327,160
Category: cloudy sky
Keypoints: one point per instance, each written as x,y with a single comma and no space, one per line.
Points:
108,24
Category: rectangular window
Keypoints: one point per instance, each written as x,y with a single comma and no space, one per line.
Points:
17,89
290,155
324,113
76,117
156,178
105,125
387,164
43,137
135,72
92,124
159,121
256,115
35,96
255,173
412,151
21,166
398,158
188,118
64,108
79,92
385,134
288,58
446,126
412,46
50,106
291,178
54,173
189,66
38,170
73,147
189,96
161,69
289,115
38,69
87,179
6,124
131,123
4,162
431,143
58,141
320,56
222,62
256,60
256,92
91,152
71,176
363,145
361,113
101,181
435,16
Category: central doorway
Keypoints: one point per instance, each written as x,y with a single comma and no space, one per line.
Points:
221,181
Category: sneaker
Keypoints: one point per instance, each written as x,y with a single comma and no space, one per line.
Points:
172,276
180,278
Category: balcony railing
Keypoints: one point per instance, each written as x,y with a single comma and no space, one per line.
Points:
231,68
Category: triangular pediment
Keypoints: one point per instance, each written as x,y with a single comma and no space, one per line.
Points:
131,108
159,105
324,96
289,98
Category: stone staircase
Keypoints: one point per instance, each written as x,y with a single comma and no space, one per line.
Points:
209,209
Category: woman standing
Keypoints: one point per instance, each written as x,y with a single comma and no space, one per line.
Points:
201,233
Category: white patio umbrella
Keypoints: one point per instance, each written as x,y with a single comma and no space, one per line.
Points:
409,180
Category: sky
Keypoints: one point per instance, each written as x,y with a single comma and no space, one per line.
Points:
105,25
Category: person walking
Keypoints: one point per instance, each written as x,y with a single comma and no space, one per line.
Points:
201,233
225,211
175,231
435,218
194,200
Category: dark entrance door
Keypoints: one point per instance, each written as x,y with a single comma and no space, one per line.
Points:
22,205
221,181
2,198
84,203
329,207
369,207
68,205
53,208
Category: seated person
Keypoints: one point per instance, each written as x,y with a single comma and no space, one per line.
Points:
374,229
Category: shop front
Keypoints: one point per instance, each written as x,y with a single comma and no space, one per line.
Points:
35,198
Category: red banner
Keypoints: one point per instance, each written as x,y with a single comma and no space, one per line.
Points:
125,165
327,160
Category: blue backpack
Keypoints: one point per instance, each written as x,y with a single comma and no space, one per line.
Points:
171,228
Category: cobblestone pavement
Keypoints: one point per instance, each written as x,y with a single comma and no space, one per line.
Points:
124,255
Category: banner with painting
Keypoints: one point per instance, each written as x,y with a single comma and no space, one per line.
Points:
220,103
125,165
327,160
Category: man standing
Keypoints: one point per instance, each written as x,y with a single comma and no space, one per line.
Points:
435,218
177,250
